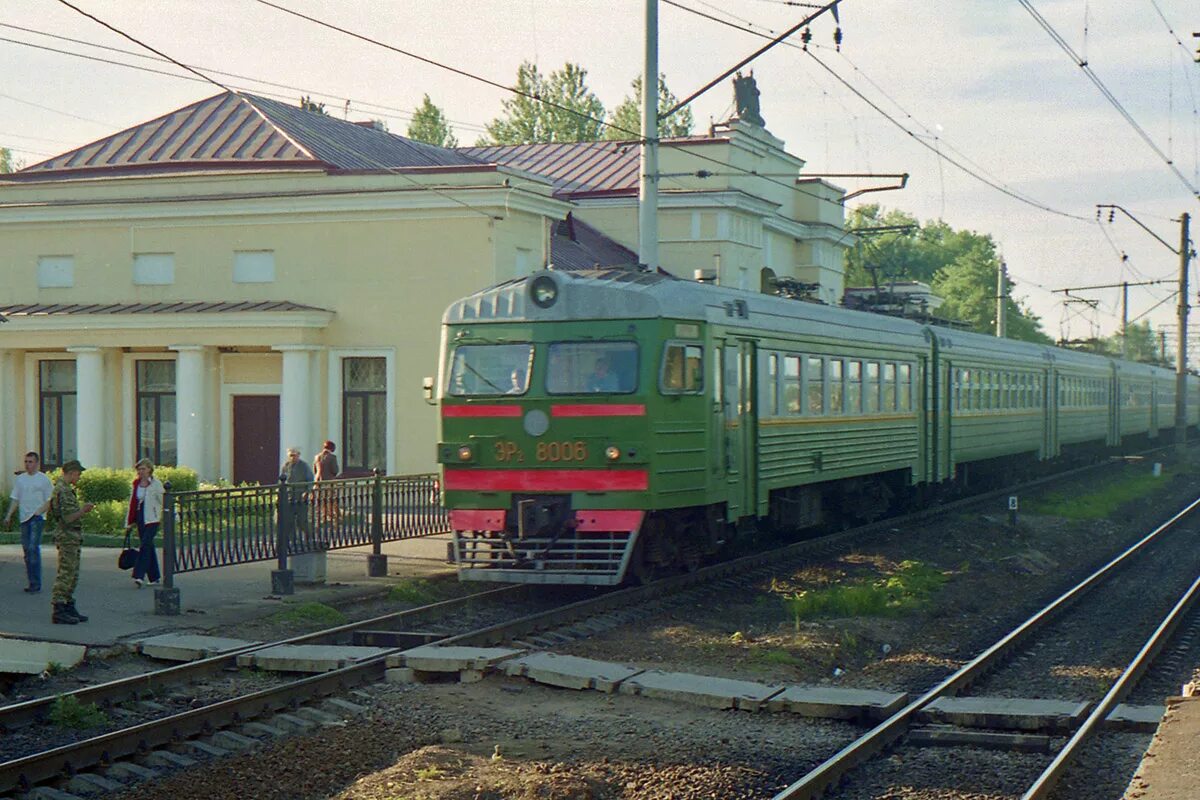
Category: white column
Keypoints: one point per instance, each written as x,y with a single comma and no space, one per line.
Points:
90,425
9,448
191,427
295,402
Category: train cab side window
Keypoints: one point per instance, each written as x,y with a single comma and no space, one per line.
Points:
889,388
854,383
682,369
904,397
837,394
815,379
791,384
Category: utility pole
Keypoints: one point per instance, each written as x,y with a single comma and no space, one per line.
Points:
1162,346
1185,252
1001,297
648,185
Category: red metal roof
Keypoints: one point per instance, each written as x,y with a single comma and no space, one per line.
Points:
186,307
577,168
240,130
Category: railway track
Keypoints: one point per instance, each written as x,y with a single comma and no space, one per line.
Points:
32,769
890,732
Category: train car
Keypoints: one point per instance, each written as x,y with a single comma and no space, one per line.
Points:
602,425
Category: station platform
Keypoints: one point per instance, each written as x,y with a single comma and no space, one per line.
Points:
210,599
1170,770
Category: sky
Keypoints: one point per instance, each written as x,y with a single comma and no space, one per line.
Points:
976,80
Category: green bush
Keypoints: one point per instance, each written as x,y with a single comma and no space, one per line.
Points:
67,712
98,484
108,517
4,503
182,479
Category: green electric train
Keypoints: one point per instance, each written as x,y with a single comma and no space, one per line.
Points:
598,426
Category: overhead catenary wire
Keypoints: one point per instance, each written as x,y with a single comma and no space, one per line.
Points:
400,113
1107,94
215,82
892,119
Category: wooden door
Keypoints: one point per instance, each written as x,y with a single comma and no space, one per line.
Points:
256,438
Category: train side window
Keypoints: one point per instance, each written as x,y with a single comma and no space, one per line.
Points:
791,384
995,389
718,376
837,394
853,387
871,388
772,384
682,369
889,387
815,377
905,387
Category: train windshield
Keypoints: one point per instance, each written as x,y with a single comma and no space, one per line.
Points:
490,369
592,368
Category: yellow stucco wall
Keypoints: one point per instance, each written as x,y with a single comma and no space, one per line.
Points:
385,259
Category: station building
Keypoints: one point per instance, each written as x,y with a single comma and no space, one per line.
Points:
240,275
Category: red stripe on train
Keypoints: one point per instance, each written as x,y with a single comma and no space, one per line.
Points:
481,411
627,410
472,519
546,480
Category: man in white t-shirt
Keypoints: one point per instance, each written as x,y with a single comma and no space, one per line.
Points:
30,498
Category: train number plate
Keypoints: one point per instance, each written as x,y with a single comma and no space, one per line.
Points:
508,452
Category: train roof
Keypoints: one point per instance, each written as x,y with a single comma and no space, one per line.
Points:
626,294
632,294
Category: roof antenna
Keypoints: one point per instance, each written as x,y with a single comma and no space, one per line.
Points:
346,110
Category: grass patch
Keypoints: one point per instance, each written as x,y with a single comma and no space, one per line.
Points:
310,613
411,591
908,588
777,656
430,773
67,712
1107,498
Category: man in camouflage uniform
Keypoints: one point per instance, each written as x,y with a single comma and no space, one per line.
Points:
67,515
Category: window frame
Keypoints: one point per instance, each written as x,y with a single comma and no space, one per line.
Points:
51,459
662,368
637,366
346,395
138,394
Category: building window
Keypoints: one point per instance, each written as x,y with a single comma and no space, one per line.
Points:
364,413
153,269
56,389
56,272
254,266
156,412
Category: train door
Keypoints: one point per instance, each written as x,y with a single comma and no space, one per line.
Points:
739,425
1050,407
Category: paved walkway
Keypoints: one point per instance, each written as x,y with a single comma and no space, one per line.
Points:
210,598
1171,767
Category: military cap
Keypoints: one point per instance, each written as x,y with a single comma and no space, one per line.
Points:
73,466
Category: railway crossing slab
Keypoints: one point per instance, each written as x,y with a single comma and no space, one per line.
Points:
1139,719
1005,713
188,646
454,658
836,703
700,689
25,657
570,672
307,657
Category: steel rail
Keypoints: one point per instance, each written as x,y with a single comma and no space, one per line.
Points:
146,683
1045,782
875,740
38,768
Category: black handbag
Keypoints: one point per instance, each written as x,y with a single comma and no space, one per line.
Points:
129,555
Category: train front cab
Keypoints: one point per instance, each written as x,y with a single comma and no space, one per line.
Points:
548,437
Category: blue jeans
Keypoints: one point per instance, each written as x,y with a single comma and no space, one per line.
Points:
31,543
147,561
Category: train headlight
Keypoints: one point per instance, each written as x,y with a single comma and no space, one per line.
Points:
543,291
612,453
466,453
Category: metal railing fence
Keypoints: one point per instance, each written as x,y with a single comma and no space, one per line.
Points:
210,528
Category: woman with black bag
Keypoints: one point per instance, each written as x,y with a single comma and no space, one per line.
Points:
145,511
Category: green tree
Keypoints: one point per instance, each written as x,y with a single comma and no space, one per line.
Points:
429,125
625,121
7,162
572,112
1142,344
308,104
959,265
